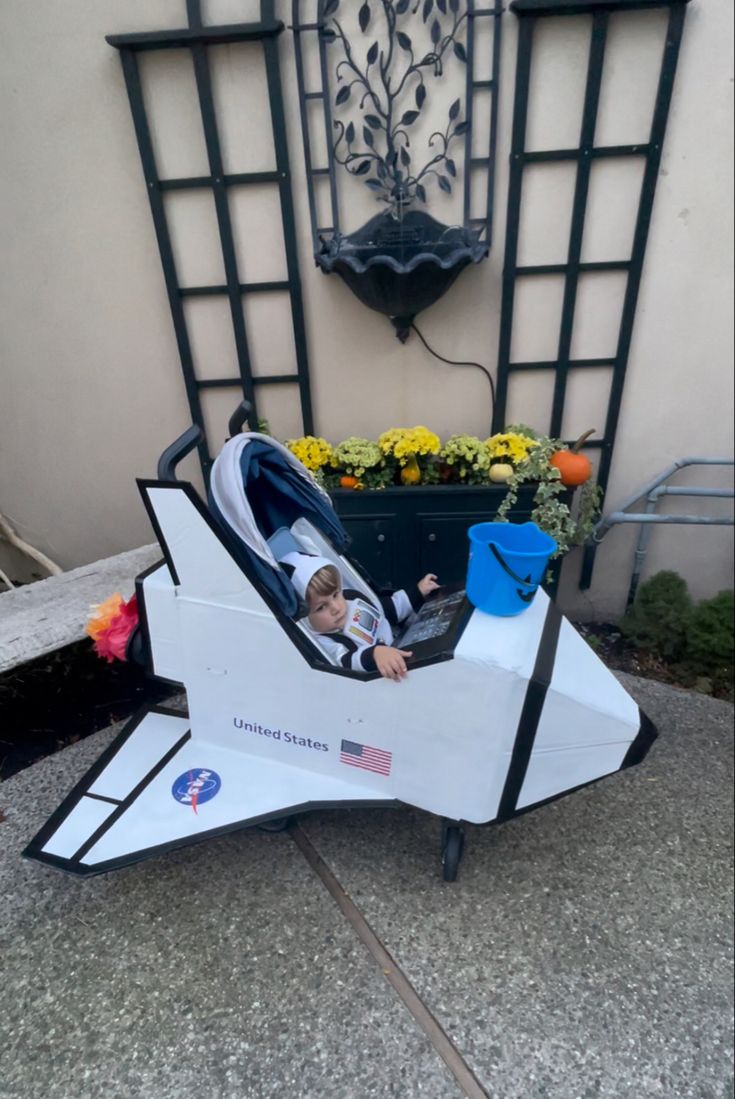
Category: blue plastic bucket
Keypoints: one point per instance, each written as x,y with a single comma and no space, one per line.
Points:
507,563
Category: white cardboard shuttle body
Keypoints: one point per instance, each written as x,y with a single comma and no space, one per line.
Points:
520,712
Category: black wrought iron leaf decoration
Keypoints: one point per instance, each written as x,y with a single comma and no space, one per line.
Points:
386,162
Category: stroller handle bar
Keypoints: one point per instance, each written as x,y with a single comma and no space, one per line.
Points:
194,435
239,417
178,450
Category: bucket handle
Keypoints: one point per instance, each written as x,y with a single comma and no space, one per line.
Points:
514,575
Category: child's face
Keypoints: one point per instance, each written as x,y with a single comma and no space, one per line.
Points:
328,612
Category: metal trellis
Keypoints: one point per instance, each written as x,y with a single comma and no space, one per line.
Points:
197,38
587,152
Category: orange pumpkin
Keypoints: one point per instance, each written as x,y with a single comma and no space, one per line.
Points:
348,482
574,468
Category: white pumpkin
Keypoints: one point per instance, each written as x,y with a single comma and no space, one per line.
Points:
501,472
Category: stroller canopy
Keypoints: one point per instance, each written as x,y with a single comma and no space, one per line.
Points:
257,487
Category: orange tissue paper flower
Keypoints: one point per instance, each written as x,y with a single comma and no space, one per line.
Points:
111,626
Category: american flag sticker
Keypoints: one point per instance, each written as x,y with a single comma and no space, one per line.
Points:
365,757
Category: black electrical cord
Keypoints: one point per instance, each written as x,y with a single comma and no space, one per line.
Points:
453,362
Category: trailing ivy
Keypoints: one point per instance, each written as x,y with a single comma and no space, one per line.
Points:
550,512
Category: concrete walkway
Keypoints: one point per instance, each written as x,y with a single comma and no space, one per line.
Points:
584,952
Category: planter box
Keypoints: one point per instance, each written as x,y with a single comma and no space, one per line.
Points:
399,534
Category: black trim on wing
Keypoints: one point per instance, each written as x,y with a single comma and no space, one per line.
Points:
533,706
143,484
639,748
549,800
35,847
101,797
131,798
143,613
81,870
637,751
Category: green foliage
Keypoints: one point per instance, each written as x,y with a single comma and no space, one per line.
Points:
467,459
550,512
710,638
659,617
359,458
699,640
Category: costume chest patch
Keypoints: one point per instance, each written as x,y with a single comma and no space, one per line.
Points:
362,623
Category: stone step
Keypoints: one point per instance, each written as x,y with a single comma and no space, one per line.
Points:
39,618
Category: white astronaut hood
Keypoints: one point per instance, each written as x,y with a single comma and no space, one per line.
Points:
301,568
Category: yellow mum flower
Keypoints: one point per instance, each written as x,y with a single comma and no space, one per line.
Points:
510,446
404,443
311,450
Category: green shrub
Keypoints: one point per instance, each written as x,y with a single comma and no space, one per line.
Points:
660,615
710,638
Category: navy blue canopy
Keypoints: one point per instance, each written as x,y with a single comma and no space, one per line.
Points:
256,488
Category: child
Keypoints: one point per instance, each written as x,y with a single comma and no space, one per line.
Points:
357,633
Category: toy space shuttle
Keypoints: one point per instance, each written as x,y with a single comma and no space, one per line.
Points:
496,716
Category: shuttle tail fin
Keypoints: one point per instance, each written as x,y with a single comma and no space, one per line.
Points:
200,562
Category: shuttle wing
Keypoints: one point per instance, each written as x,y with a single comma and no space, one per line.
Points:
157,787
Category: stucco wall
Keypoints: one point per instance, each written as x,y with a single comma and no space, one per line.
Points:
91,383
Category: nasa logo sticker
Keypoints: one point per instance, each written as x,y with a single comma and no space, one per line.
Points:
196,786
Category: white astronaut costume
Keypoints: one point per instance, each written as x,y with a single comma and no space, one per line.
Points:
366,626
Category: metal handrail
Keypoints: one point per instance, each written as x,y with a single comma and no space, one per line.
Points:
653,492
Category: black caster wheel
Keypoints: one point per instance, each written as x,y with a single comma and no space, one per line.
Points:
278,824
452,847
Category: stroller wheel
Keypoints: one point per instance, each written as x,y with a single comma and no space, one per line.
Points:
277,824
453,845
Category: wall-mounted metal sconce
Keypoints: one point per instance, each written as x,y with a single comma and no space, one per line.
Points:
386,69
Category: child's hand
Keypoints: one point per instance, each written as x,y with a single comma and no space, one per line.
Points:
427,584
390,662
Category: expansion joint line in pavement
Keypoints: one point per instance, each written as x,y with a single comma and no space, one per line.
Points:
392,972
